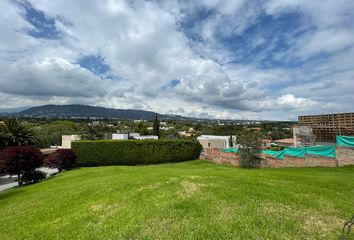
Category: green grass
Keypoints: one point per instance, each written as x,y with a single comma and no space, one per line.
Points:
191,200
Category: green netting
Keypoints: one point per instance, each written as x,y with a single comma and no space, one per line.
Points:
233,150
295,152
276,154
326,151
345,141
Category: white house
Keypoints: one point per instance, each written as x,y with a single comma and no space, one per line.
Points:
125,136
146,137
213,141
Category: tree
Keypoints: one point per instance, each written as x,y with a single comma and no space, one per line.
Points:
20,161
198,127
156,127
51,133
93,132
142,129
231,142
63,159
15,133
250,148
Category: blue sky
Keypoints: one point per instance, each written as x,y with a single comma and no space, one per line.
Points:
239,59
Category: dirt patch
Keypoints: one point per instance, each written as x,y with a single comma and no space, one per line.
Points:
104,211
150,187
190,188
311,221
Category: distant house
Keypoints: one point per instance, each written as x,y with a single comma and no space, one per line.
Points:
213,141
126,136
255,129
166,128
286,142
146,137
185,133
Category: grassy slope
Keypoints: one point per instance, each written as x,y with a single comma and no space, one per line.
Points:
192,200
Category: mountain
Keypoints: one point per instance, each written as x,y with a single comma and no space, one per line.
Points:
86,111
13,110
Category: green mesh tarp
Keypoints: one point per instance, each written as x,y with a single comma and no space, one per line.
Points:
345,141
295,152
325,151
276,154
233,150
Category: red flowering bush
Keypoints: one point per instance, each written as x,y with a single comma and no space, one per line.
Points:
63,159
20,161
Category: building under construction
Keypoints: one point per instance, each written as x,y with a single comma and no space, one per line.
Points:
303,136
326,127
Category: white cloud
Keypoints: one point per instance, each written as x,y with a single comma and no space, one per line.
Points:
147,46
51,77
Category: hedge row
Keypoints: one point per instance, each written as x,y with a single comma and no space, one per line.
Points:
133,152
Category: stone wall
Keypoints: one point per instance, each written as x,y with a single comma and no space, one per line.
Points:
289,161
218,156
344,157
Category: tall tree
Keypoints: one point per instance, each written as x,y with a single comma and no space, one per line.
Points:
15,133
156,127
230,141
250,148
93,132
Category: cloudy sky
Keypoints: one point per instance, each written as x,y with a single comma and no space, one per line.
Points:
239,59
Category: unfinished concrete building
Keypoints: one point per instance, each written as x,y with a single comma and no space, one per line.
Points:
303,136
327,126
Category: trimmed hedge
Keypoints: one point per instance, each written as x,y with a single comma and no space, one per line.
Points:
133,152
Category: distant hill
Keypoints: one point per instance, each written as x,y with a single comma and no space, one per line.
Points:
13,110
86,111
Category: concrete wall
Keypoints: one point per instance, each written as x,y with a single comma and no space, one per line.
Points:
344,157
66,140
213,143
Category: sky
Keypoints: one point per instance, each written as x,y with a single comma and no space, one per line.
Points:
237,59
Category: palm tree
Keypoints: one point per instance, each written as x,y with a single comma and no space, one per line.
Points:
93,132
15,133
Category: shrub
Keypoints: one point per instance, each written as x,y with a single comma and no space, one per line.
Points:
20,160
132,152
63,159
34,176
276,148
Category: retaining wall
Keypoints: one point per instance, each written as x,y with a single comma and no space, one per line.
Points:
344,157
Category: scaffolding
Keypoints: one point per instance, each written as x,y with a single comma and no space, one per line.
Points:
303,136
327,126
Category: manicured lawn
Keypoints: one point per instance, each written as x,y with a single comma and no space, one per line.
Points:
191,200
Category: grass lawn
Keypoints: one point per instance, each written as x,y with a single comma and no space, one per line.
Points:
191,200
